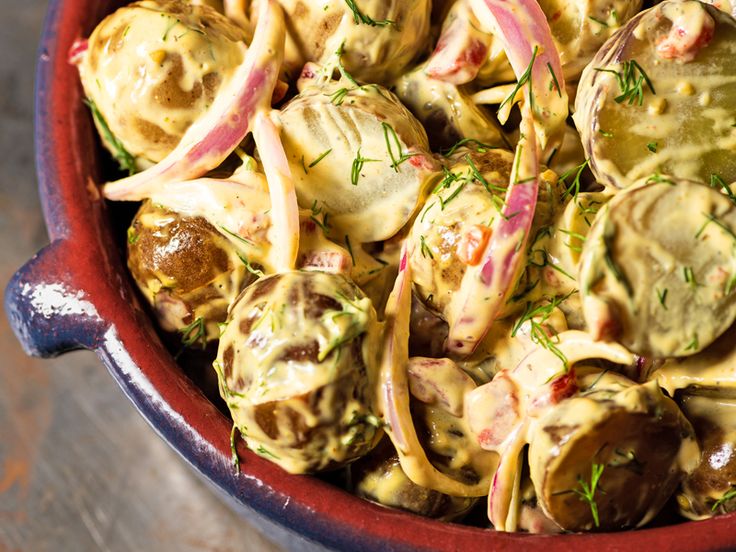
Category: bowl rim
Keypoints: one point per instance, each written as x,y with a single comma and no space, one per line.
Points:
126,343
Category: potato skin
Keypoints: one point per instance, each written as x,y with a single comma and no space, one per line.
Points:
378,477
185,269
295,363
373,53
704,492
636,435
154,67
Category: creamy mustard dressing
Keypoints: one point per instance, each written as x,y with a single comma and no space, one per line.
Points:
313,379
154,67
295,364
358,155
656,268
684,125
374,53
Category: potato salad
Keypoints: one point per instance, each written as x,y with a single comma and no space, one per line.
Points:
471,259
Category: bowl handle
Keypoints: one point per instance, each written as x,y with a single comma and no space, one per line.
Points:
48,312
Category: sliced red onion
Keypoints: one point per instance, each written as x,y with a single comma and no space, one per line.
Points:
439,381
214,136
522,27
393,394
284,208
486,286
525,33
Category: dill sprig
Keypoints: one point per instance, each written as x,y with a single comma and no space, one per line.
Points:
425,250
524,79
194,332
249,267
320,158
234,449
122,155
631,80
480,147
358,163
587,491
398,156
349,248
359,17
717,182
537,317
728,495
573,189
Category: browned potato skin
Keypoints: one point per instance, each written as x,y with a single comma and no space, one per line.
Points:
702,492
150,123
177,264
302,406
635,432
383,464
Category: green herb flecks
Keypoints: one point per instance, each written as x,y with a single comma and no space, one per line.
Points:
728,495
599,21
573,189
238,237
320,158
537,318
689,276
554,82
359,17
657,178
480,147
576,236
652,146
338,96
490,188
711,218
662,296
717,182
587,491
339,53
123,157
349,248
262,451
133,237
694,344
631,80
193,333
425,250
393,146
618,273
234,449
524,79
249,267
357,167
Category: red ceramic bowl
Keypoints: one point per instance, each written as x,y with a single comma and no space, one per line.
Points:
76,294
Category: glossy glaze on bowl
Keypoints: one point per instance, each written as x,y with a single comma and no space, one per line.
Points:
76,293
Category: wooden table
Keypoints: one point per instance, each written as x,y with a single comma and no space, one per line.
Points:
79,468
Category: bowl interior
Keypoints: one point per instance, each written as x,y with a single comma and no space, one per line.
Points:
70,165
